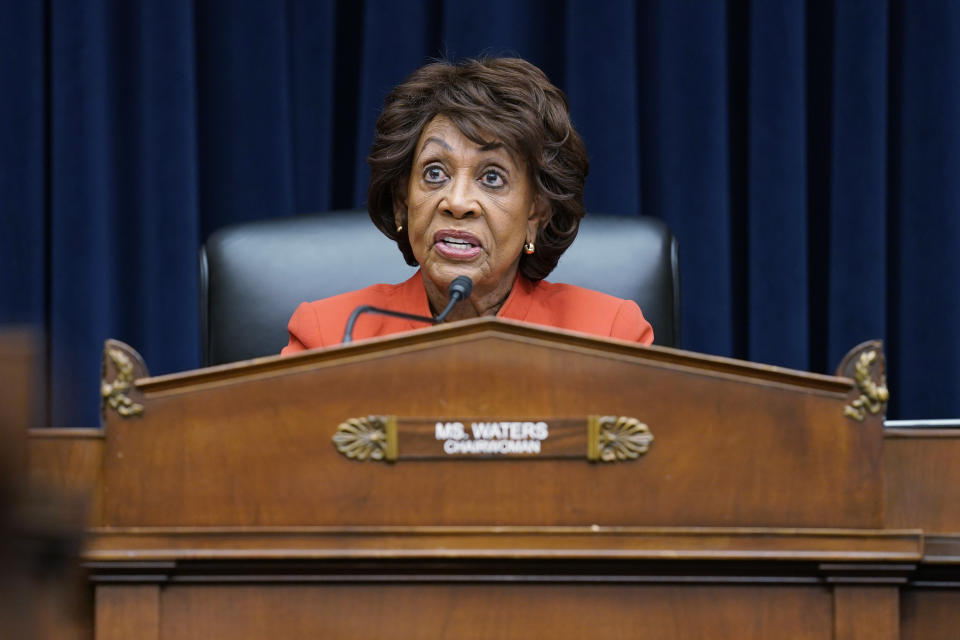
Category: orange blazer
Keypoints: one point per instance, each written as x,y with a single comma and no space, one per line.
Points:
321,323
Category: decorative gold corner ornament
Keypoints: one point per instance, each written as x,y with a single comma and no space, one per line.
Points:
867,366
873,389
369,438
113,394
616,438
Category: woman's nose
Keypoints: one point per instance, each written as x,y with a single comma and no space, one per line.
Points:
460,200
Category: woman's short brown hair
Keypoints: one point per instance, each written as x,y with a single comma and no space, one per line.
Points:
508,99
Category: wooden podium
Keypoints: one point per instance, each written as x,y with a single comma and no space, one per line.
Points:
490,479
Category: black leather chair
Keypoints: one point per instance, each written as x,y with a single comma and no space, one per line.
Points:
253,275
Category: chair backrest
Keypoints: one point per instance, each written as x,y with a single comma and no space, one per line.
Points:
253,275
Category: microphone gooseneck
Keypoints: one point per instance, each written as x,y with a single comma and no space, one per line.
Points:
348,331
459,290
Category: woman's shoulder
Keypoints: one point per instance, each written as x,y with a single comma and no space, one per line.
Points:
321,323
375,294
563,293
571,307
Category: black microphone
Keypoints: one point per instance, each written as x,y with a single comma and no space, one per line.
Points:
459,290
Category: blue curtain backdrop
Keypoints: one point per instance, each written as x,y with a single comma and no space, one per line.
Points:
806,154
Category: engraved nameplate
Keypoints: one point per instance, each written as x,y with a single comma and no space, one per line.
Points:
391,438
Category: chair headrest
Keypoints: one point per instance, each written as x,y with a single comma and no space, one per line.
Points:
253,275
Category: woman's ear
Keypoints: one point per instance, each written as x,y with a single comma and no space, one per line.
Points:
539,210
400,205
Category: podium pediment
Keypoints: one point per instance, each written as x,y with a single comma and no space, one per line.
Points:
733,443
490,332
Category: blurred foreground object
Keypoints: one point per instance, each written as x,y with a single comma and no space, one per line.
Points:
41,587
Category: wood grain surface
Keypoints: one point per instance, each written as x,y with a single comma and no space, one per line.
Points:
480,612
127,612
866,613
759,511
922,477
736,445
930,614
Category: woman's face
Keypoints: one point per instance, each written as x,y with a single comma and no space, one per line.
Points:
469,210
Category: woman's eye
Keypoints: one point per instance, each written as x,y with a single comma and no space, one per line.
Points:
493,178
434,174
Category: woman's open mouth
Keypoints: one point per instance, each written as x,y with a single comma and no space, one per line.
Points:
456,245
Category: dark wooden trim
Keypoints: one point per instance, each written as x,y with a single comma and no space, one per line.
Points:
480,327
627,543
473,571
919,434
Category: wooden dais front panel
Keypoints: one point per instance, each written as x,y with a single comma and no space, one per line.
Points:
734,444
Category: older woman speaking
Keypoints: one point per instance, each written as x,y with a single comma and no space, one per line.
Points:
477,171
